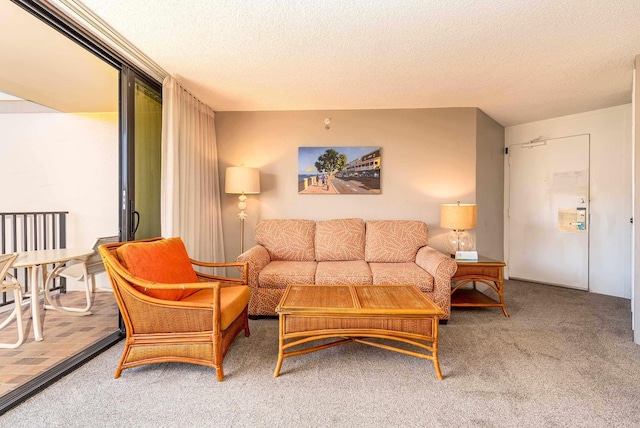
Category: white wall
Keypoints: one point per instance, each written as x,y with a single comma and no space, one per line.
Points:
428,158
610,190
63,162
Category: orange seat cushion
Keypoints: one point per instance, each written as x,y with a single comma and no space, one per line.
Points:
164,261
233,300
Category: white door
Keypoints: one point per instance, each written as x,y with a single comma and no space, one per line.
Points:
549,211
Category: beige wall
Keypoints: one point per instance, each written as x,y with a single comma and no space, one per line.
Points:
428,158
489,186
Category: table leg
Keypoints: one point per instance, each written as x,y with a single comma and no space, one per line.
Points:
280,346
434,345
35,302
500,285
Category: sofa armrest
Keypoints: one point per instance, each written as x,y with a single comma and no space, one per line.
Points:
442,268
257,257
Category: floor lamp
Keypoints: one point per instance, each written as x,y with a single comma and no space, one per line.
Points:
460,218
244,181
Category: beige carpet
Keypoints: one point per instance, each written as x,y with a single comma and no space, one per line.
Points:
564,358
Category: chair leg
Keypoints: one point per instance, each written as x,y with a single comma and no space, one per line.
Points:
88,290
51,304
218,354
17,314
219,373
125,354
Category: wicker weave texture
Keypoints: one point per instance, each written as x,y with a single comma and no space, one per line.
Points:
203,352
298,324
165,319
165,330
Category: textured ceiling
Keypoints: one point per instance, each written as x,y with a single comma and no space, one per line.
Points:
518,61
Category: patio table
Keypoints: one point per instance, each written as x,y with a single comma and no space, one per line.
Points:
36,262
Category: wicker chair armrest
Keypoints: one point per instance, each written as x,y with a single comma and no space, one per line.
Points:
222,280
163,286
243,268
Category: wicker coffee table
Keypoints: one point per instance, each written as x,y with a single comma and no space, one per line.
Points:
355,313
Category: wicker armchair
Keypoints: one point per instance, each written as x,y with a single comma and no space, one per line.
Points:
175,314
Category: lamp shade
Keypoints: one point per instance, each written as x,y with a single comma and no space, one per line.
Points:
458,216
242,179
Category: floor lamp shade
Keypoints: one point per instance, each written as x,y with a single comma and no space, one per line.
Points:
242,179
460,218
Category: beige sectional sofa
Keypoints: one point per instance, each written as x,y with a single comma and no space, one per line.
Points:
344,251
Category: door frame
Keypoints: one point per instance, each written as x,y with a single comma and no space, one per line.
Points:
65,26
127,186
507,221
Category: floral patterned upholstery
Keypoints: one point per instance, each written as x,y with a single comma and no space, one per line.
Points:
279,274
394,241
441,267
287,239
342,251
401,273
340,239
344,272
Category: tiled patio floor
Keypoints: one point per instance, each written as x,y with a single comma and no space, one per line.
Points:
64,336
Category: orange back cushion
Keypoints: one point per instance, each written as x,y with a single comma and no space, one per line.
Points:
165,261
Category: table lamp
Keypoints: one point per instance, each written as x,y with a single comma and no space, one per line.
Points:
458,217
244,181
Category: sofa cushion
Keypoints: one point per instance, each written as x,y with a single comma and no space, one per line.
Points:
340,239
164,261
343,272
394,241
401,273
279,274
233,300
291,240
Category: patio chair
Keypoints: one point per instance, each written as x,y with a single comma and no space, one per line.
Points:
172,312
9,284
85,271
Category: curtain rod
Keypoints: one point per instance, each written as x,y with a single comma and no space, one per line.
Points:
97,26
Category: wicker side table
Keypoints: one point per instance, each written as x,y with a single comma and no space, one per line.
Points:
486,271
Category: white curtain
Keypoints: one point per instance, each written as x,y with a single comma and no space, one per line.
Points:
190,186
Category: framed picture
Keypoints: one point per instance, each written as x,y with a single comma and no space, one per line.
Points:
339,170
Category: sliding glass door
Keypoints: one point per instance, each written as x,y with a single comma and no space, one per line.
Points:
119,145
142,153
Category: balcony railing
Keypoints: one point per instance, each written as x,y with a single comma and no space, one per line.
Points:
28,231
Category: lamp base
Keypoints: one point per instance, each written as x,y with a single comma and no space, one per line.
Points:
458,240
